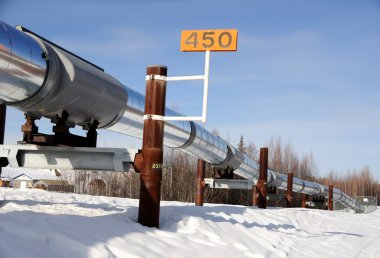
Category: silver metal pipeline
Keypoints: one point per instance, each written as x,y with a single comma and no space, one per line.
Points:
43,79
22,64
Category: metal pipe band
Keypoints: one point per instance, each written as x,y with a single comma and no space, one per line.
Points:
298,185
208,146
48,88
22,64
277,179
234,158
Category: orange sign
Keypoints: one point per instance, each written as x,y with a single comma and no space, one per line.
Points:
213,40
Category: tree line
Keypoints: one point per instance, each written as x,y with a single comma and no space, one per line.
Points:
179,170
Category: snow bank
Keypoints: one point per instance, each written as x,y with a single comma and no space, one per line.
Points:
35,223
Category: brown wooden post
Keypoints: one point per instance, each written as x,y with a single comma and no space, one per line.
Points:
3,114
263,178
289,191
149,161
330,200
254,195
200,183
303,200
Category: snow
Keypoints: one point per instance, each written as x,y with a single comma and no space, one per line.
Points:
36,223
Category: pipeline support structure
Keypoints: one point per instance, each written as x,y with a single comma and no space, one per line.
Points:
200,183
289,191
42,79
263,177
3,114
149,161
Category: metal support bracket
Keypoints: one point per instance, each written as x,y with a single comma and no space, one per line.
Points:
203,77
229,183
70,158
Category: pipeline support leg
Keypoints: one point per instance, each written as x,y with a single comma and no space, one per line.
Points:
200,183
289,191
149,161
330,199
263,177
3,114
254,195
303,200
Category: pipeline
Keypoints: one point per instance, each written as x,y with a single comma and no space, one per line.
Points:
43,79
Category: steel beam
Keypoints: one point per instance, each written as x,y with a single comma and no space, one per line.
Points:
229,183
70,158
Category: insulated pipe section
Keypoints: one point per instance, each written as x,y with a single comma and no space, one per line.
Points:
84,91
312,188
43,79
207,145
343,198
22,64
301,186
248,169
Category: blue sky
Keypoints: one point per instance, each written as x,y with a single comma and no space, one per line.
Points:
308,71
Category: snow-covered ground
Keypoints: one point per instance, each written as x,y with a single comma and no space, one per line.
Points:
35,223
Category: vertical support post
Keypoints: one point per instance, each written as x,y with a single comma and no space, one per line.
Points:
205,86
254,195
200,183
3,114
289,190
149,161
330,199
263,178
303,200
